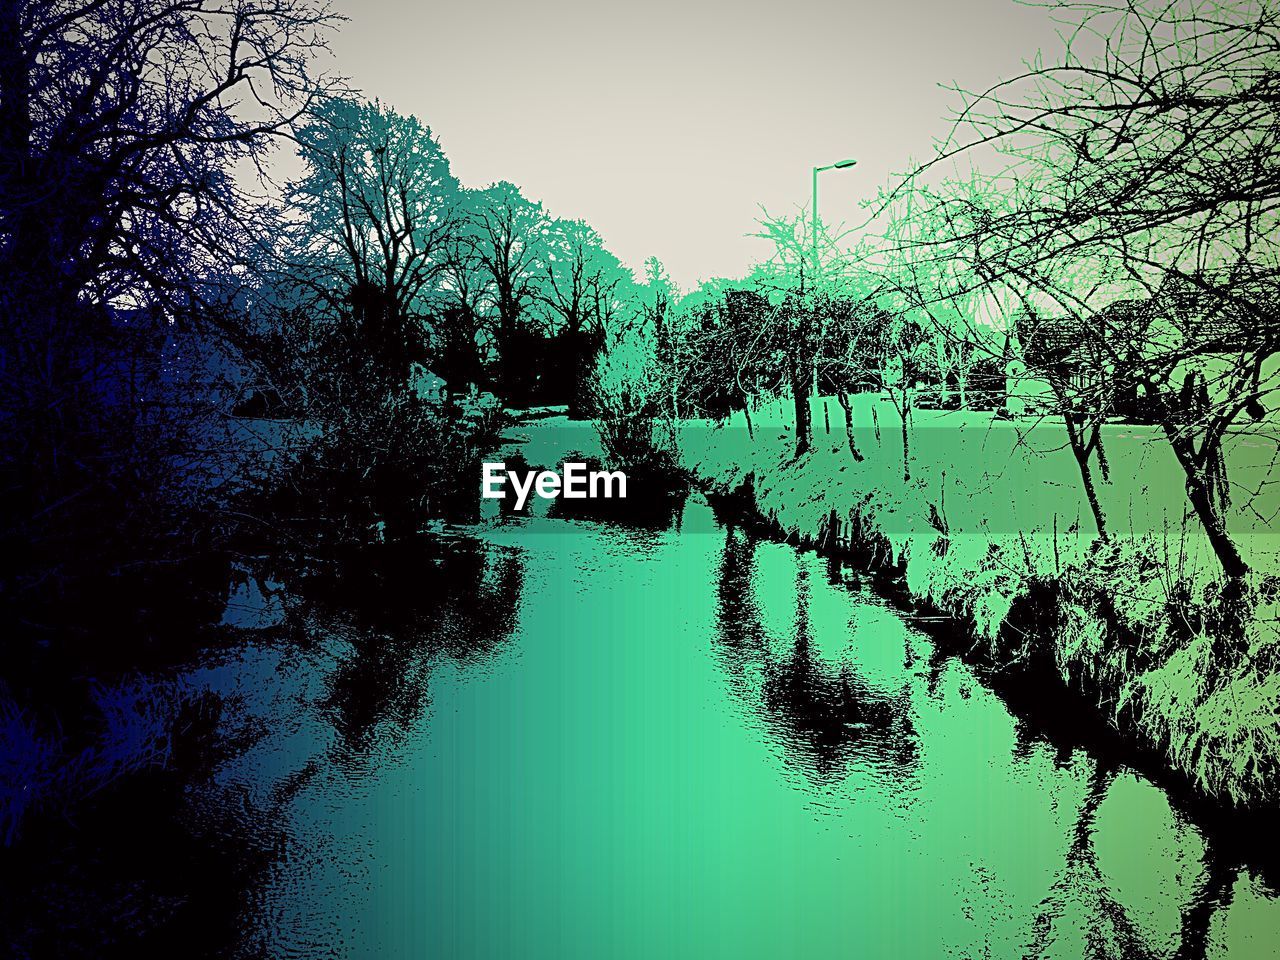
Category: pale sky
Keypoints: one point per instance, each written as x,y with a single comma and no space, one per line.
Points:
666,124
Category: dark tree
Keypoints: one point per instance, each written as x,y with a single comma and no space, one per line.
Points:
129,133
583,293
379,208
510,233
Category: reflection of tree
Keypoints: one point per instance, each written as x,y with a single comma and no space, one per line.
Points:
1110,932
162,864
400,607
1214,894
1080,883
822,716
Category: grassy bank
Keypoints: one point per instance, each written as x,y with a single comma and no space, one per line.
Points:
993,529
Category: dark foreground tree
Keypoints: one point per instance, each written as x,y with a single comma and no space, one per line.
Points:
121,225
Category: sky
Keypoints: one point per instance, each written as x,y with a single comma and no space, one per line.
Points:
669,125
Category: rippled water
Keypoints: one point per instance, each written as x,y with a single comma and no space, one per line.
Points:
539,737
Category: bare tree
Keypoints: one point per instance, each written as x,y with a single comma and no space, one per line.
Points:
129,135
794,283
510,233
722,359
586,284
1154,151
375,212
119,126
462,320
850,356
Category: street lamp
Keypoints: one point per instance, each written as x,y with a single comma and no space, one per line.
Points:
838,165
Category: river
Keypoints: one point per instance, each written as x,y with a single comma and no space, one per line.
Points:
543,737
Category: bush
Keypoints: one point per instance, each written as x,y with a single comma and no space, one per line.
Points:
388,465
633,415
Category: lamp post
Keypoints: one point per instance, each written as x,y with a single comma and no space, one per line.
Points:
838,165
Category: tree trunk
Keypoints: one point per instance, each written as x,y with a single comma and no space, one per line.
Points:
1215,526
1199,489
1086,473
1091,492
800,383
846,404
906,445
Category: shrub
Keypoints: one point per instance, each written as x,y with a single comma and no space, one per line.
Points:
632,414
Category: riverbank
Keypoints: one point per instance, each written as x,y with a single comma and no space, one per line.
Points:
992,528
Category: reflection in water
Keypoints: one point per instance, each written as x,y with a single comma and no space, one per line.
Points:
1212,899
398,607
827,718
1083,914
1080,892
327,698
822,714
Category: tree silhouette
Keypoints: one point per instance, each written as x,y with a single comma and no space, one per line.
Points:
129,135
509,243
377,208
584,292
